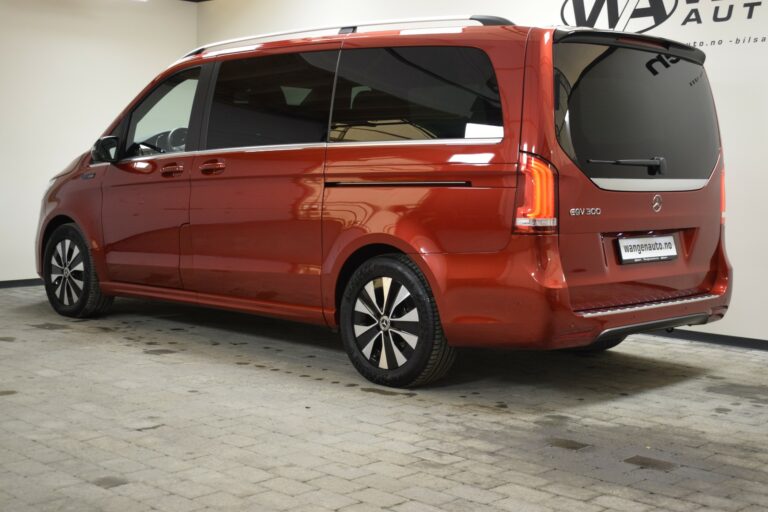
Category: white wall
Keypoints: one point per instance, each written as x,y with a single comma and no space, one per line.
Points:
739,76
68,68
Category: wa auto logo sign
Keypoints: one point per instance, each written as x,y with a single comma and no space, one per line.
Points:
626,15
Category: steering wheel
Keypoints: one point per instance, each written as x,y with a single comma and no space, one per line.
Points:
177,139
157,149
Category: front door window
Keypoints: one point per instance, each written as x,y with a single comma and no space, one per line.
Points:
161,122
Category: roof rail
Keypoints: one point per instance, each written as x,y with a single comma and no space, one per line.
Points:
350,29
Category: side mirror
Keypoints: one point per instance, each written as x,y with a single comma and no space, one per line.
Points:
105,149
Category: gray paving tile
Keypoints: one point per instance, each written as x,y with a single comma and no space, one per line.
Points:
168,407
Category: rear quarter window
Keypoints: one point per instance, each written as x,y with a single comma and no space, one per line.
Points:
416,93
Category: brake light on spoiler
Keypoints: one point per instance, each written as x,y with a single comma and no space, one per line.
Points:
536,198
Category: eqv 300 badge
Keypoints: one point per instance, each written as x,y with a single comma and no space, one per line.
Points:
578,212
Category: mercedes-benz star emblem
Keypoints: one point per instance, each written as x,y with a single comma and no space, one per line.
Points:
656,203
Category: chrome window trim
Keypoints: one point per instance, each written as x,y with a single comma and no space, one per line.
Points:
259,149
238,149
419,142
158,155
309,145
650,184
642,307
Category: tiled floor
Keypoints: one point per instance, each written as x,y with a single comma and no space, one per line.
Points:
174,408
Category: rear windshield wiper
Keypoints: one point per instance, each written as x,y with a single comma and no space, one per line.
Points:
655,165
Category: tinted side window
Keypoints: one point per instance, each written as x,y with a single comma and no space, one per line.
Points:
412,93
275,99
161,121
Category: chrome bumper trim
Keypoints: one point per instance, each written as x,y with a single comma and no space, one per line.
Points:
643,307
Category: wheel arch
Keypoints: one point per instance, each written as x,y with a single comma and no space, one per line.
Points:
351,263
91,236
51,226
355,255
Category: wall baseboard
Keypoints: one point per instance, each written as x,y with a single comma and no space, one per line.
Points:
17,283
715,339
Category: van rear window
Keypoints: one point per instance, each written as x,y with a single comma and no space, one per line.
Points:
615,103
415,93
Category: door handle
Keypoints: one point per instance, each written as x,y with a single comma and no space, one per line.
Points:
212,167
171,171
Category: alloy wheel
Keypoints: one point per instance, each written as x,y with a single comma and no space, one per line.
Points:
67,272
386,323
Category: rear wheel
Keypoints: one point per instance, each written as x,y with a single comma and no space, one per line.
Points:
390,325
70,279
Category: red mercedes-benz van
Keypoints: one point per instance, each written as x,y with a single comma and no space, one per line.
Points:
418,187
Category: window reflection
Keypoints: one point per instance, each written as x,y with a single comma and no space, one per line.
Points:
416,93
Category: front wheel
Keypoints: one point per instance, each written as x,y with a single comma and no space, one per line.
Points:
390,325
70,279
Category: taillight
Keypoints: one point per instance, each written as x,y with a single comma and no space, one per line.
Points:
536,209
722,196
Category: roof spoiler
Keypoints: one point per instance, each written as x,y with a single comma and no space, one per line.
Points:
629,40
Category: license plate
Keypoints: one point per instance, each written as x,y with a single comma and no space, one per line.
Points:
649,248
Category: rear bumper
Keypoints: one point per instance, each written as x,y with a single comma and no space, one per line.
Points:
697,310
626,330
519,298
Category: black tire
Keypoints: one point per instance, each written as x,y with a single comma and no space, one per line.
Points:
599,346
70,280
397,340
